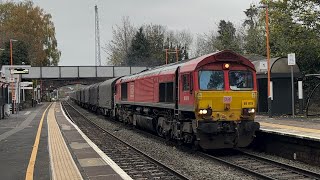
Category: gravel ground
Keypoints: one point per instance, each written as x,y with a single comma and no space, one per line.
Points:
186,163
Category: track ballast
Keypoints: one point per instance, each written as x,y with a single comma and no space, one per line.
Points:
134,162
262,167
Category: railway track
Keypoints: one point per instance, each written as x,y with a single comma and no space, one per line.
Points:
134,162
262,167
253,164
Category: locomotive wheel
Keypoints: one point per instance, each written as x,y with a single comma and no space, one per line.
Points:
168,136
180,142
195,145
159,131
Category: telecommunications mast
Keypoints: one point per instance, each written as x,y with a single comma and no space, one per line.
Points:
97,38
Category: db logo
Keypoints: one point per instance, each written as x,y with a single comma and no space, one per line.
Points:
227,99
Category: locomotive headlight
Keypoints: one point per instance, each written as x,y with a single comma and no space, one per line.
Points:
251,111
203,111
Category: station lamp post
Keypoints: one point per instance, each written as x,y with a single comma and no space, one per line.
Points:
1,49
13,96
268,58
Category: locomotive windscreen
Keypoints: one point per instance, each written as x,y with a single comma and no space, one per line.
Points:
241,80
211,80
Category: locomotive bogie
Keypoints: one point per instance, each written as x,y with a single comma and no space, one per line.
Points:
226,134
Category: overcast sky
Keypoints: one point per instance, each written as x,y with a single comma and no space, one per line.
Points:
75,19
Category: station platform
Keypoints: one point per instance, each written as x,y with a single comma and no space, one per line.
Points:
42,143
298,127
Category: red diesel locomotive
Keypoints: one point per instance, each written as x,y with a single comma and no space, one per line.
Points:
208,101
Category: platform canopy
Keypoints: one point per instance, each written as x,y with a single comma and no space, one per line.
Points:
279,68
313,75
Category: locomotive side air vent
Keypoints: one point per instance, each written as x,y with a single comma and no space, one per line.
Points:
166,92
124,91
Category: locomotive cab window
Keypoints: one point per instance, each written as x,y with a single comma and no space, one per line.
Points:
241,80
211,80
186,82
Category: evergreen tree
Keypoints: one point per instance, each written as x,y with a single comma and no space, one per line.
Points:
20,54
227,36
139,51
155,35
254,39
294,28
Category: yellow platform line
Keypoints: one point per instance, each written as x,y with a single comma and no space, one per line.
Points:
61,161
32,161
309,130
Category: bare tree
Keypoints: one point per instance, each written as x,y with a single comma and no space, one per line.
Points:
184,38
206,43
118,47
227,37
179,39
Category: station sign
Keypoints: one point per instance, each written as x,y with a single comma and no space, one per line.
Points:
26,87
26,83
263,66
20,71
291,59
12,80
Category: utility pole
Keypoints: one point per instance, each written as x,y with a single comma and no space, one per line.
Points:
97,37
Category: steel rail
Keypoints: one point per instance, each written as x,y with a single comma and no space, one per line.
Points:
304,172
171,171
268,163
249,171
308,174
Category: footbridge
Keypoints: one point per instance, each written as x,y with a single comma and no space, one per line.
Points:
52,77
79,72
